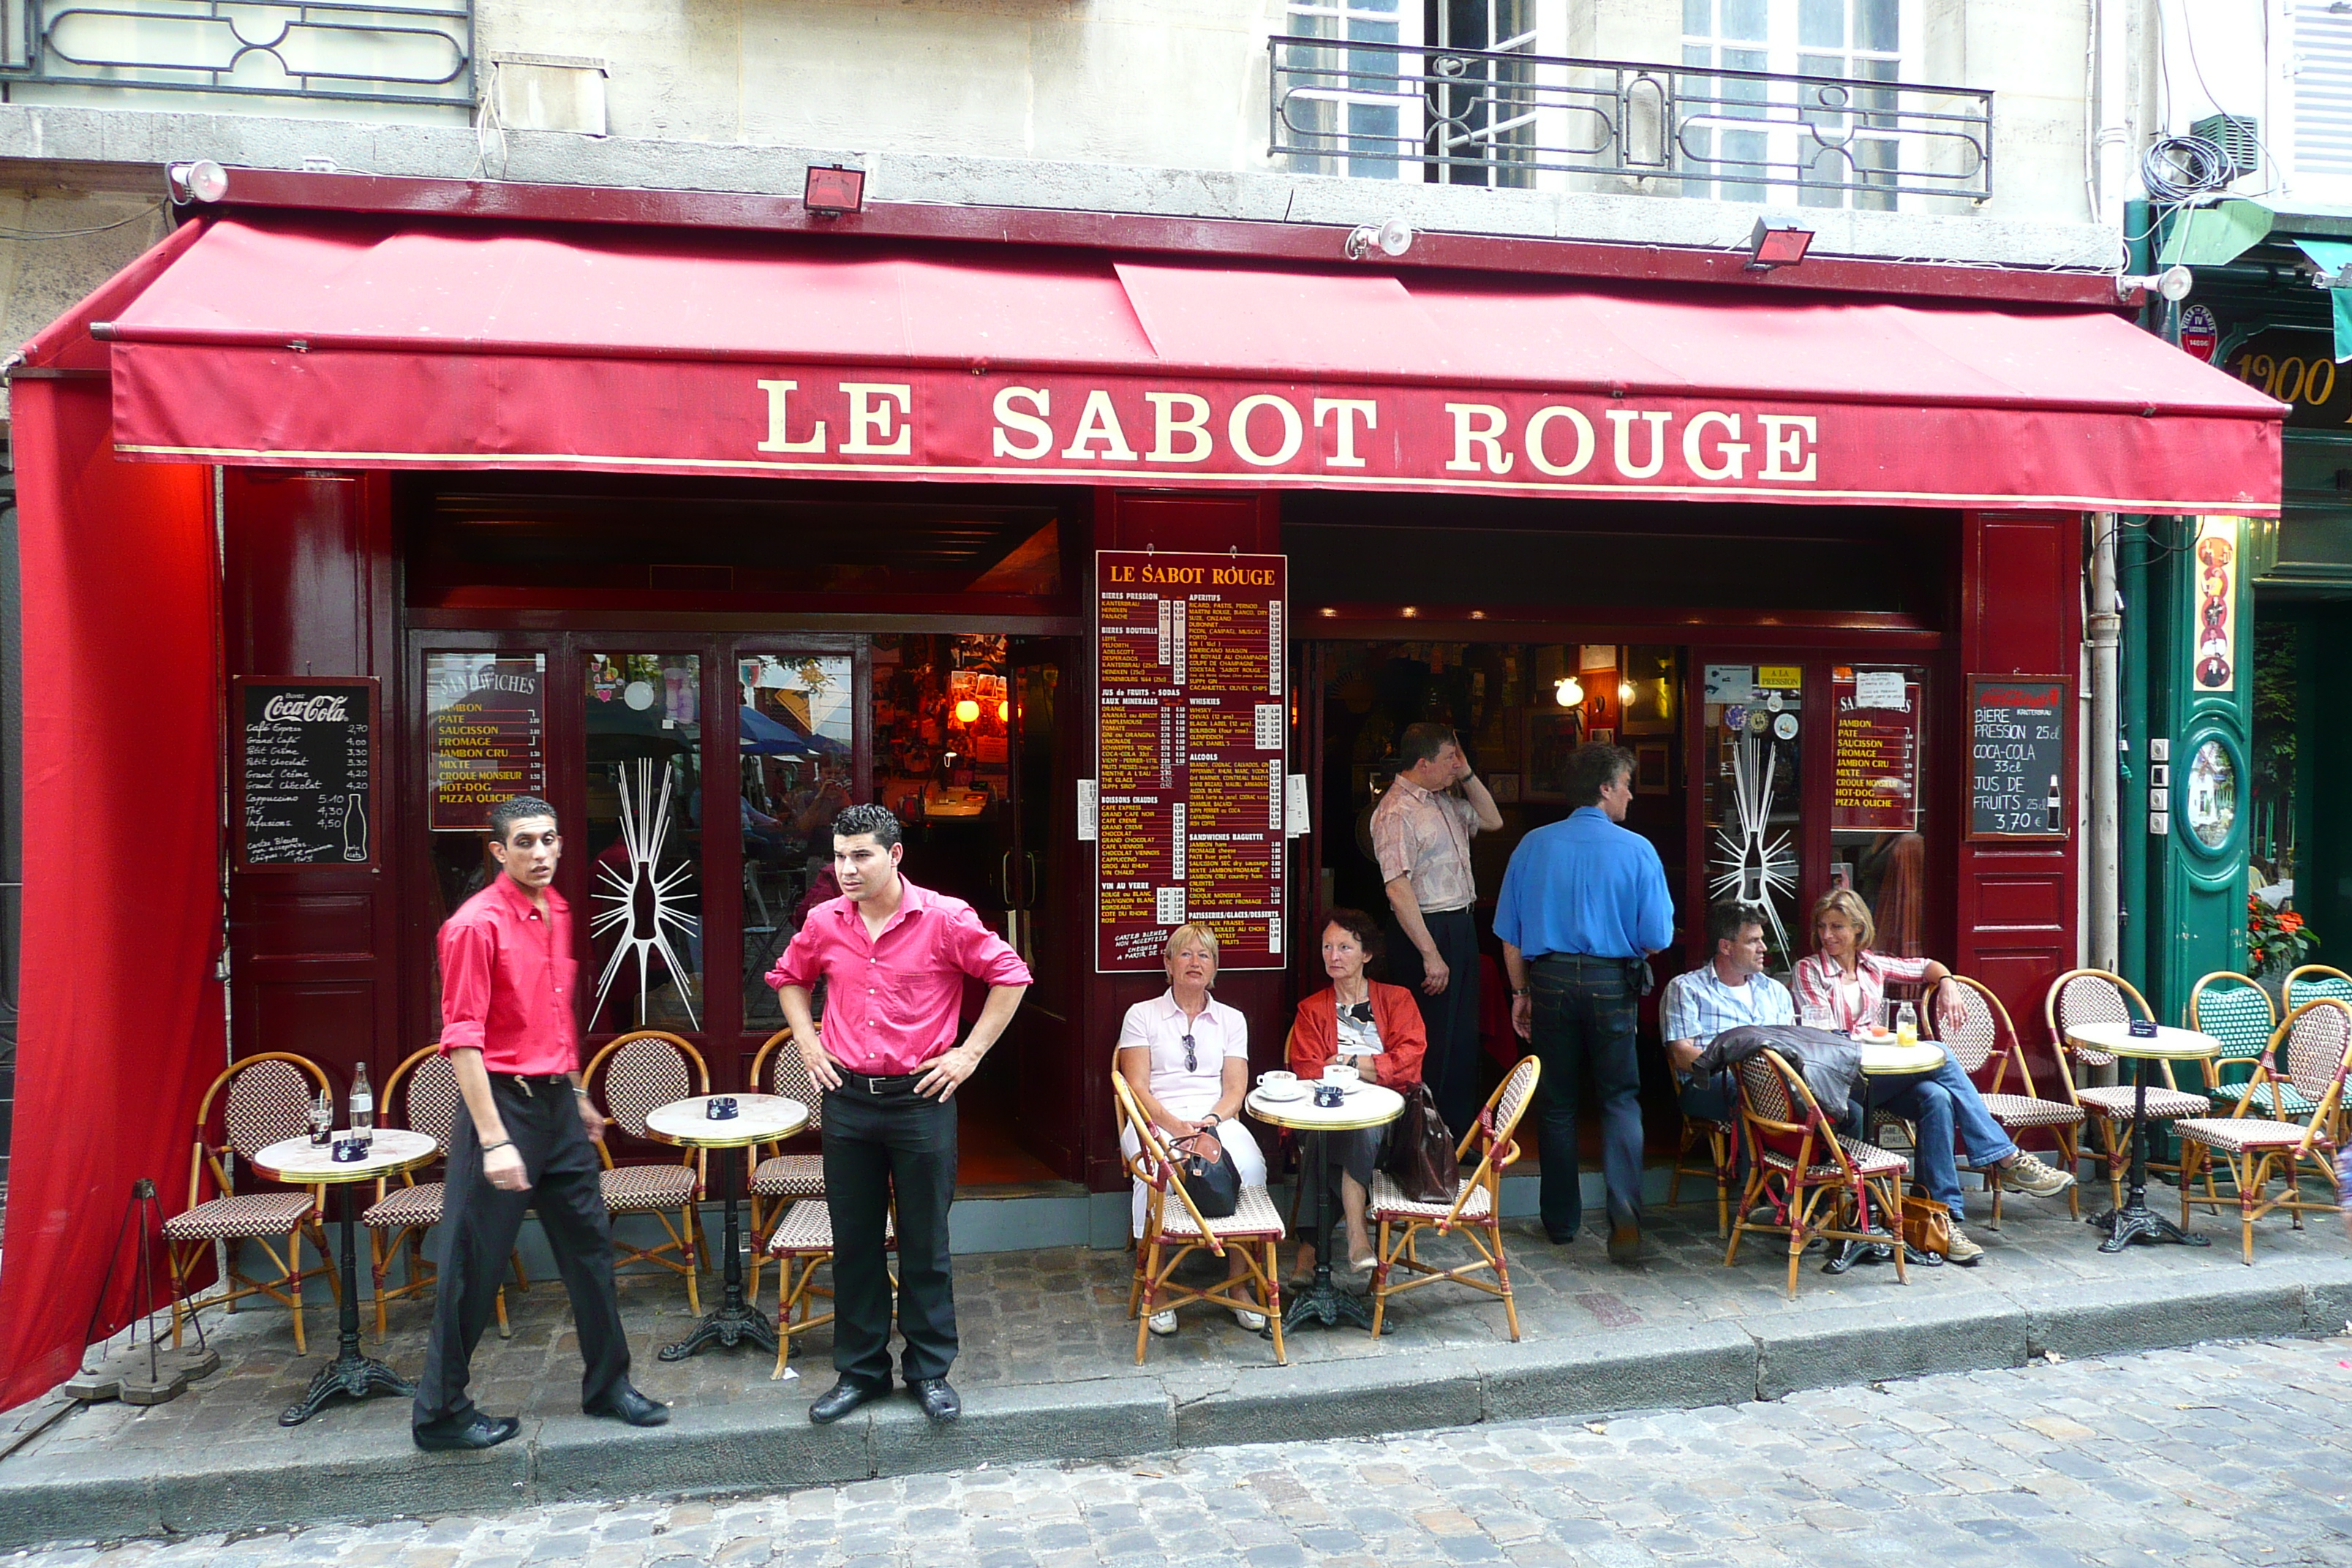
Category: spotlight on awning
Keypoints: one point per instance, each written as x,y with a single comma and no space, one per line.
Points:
1776,243
833,189
1393,238
2173,283
202,180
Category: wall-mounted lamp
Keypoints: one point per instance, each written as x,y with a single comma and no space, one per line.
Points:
1625,692
967,712
1777,242
1004,713
1568,692
2173,283
833,189
1393,238
202,181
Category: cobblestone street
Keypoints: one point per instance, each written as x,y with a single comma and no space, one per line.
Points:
2220,1454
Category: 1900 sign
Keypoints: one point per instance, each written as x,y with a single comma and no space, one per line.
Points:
306,772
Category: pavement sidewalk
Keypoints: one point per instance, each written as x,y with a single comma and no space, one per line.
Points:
1047,1373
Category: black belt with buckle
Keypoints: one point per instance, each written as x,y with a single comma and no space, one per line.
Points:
877,1084
530,1082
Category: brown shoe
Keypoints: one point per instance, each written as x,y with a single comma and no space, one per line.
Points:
1624,1243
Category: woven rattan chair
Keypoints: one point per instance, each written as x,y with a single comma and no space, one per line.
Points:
401,1214
1720,1139
1173,1229
781,1179
802,1244
1818,1182
2239,1015
2311,1051
1979,1034
1476,1210
2096,997
2313,982
263,1100
634,1075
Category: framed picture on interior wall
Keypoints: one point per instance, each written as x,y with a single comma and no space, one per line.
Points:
1601,736
1653,768
1655,706
1551,735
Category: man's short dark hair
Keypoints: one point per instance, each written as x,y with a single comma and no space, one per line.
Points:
1592,768
1726,919
517,808
873,819
1423,741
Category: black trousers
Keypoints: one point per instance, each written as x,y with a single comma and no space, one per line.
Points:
478,1224
1587,1011
1450,1018
876,1145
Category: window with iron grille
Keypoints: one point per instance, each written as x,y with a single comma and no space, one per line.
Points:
1815,132
1383,111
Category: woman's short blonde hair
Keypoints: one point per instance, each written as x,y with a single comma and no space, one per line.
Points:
1847,903
1192,932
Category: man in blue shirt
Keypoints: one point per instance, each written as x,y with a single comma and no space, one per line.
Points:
1728,993
1583,907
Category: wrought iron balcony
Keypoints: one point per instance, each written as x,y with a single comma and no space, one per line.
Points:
393,51
1507,117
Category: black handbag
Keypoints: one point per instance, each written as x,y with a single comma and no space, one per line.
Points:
1421,1152
1214,1185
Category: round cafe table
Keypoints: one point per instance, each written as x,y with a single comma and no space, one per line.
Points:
1366,1105
759,1118
2135,1221
299,1162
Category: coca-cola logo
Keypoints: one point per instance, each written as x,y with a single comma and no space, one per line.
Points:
287,709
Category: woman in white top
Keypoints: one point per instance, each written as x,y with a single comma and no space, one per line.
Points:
1186,1057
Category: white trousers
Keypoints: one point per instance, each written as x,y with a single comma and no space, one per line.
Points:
1236,1139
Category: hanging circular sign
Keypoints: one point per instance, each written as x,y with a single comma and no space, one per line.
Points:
1785,726
1759,721
638,694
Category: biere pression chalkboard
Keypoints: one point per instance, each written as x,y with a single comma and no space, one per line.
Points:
2018,776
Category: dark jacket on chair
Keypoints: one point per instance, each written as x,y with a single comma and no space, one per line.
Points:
1830,1063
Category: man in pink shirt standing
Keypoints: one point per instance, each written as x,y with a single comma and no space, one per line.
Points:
893,957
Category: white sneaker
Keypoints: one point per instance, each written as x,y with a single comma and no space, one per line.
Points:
1253,1321
1163,1323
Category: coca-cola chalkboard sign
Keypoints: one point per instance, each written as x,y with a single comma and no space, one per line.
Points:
305,773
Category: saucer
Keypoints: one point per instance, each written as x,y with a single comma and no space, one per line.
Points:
1283,1093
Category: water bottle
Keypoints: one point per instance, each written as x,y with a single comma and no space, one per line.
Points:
322,1119
1907,1025
362,1102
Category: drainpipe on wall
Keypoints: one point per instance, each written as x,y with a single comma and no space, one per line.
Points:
2104,629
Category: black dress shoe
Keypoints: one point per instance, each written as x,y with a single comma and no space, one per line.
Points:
627,1405
1624,1243
1559,1238
940,1401
477,1431
841,1399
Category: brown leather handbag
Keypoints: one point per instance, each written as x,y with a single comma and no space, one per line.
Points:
1926,1226
1421,1150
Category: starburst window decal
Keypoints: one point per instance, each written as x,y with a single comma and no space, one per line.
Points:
1751,863
639,907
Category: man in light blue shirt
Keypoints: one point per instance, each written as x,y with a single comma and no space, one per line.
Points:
1728,992
1583,905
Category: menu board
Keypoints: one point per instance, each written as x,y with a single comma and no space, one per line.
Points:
485,729
2017,757
306,772
1190,754
1874,762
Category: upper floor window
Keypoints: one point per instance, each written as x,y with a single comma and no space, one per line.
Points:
1821,135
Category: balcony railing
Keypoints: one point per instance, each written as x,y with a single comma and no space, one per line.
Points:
1505,118
393,51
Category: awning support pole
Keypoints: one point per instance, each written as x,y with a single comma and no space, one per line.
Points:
2104,627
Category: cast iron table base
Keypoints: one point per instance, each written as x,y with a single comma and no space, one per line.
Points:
1322,1302
732,1321
2136,1221
350,1374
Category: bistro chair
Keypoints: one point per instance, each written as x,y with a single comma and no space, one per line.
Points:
1174,1227
263,1100
1818,1182
401,1214
1476,1210
2311,1051
2312,981
782,1178
634,1075
1978,1033
2239,1014
1720,1137
2096,997
802,1244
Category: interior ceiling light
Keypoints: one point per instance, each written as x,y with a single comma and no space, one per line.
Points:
833,189
2173,283
1004,713
967,712
202,181
1568,692
1393,238
1777,242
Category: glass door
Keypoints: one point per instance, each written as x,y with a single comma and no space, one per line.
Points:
795,768
643,835
1751,720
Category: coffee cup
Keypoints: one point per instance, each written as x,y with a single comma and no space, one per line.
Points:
1342,1074
1277,1081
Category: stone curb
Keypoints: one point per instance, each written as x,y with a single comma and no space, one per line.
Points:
363,1468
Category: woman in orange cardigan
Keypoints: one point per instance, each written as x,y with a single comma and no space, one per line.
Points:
1375,1028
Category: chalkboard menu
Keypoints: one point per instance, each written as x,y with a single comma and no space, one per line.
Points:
1189,744
2018,772
305,773
485,725
1874,760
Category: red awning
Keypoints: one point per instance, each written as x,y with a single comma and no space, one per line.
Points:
311,340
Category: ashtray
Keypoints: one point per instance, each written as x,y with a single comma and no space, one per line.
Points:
2142,1030
719,1108
1328,1096
349,1150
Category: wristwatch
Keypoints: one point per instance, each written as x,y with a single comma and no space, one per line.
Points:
1211,1120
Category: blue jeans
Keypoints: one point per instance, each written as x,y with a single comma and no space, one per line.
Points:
1586,1012
1940,1107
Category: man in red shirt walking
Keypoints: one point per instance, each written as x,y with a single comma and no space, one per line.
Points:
893,957
509,1030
